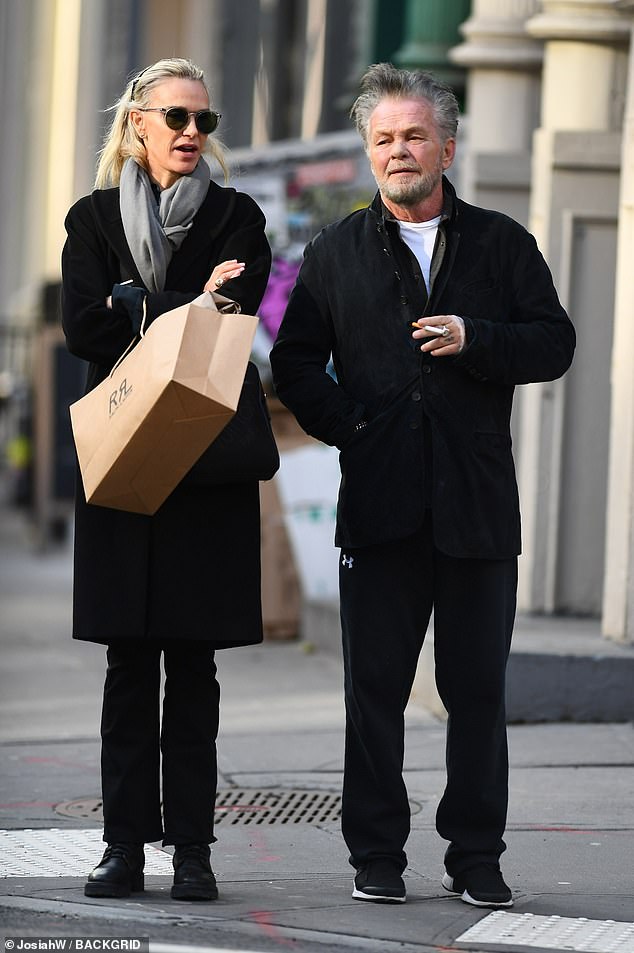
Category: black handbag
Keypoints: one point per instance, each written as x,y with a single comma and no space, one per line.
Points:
245,450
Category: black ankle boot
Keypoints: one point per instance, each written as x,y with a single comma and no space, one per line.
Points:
119,872
193,877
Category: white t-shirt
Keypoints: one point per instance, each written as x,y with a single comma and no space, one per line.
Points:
421,238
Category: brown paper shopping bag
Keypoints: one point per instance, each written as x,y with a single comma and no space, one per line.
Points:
140,430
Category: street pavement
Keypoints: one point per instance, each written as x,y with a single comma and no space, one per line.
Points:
284,879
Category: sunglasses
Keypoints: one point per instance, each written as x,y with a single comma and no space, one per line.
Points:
177,117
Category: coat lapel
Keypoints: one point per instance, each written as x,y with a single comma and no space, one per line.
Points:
108,216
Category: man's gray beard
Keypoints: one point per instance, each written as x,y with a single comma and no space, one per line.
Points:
410,193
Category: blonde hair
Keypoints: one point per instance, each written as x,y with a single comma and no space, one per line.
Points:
122,140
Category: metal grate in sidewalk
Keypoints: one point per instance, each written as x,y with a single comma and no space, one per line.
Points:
245,806
275,806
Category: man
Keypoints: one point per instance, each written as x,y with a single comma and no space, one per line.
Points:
432,310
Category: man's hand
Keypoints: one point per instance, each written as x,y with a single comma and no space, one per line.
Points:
443,335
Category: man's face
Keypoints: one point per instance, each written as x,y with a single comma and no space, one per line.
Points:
406,152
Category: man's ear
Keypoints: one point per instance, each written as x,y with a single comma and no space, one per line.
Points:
448,153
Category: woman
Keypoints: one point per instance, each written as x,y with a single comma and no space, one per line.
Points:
153,235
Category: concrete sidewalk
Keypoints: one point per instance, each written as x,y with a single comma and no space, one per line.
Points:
281,864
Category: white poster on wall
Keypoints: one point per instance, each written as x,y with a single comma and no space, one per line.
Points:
308,482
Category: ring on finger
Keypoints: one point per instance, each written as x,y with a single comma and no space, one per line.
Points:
445,331
219,282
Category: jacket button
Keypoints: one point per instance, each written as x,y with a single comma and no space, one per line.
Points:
414,425
416,395
426,369
404,300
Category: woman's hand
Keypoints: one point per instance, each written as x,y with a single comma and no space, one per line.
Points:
222,273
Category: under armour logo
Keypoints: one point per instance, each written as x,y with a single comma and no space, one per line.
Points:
347,561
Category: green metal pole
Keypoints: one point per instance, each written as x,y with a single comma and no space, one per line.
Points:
431,29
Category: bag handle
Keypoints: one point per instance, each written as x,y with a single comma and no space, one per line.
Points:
133,341
208,299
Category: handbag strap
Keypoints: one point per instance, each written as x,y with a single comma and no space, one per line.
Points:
132,342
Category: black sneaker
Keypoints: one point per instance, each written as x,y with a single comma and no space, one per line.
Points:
481,886
381,881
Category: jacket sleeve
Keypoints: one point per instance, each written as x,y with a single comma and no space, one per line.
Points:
535,339
93,331
248,243
300,358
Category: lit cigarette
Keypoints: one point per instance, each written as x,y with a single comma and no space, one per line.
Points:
428,327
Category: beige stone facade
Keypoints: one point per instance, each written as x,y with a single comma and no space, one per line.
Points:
549,138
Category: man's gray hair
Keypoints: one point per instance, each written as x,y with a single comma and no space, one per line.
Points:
382,80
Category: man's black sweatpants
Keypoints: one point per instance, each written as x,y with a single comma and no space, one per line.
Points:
388,592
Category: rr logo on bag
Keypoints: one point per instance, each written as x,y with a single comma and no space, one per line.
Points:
118,396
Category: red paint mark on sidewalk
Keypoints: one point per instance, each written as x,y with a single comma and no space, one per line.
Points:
259,843
28,804
242,808
263,919
58,762
560,829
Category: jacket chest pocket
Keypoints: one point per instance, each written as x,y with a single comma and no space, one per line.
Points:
476,299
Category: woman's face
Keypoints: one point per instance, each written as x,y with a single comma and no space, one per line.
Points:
171,153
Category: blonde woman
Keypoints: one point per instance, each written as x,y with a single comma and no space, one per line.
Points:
154,234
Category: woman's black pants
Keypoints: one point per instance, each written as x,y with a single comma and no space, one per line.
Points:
388,593
137,745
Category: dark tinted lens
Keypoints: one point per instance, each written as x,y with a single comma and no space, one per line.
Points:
206,121
177,118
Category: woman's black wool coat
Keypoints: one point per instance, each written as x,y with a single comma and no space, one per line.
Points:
191,571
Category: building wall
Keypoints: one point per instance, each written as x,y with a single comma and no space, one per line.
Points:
573,214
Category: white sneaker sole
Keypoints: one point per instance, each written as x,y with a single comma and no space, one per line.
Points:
447,883
376,898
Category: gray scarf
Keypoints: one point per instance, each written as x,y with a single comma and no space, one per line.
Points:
154,232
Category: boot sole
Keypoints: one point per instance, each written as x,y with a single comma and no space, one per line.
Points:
189,892
112,890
